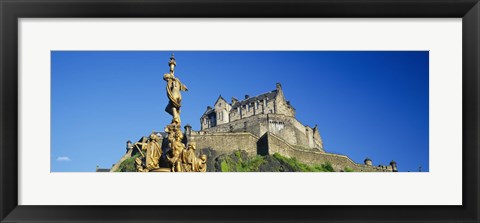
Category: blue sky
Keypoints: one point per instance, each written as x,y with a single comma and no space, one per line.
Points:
366,104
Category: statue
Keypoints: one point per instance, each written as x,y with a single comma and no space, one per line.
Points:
189,158
176,150
152,157
201,165
174,86
179,158
191,163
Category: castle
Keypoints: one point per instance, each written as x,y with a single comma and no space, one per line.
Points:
266,124
268,112
263,125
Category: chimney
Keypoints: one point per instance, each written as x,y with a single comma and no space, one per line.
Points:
247,96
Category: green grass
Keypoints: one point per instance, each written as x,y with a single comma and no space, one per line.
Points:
239,164
224,166
251,165
348,169
301,167
128,165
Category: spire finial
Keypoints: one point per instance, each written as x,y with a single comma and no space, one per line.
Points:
172,63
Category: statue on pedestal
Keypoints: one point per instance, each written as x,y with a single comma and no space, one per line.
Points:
174,86
153,152
192,163
179,158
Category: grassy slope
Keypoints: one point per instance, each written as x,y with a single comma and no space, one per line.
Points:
240,162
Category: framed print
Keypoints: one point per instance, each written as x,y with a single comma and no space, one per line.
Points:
394,83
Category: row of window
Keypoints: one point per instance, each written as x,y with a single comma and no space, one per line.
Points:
277,123
248,106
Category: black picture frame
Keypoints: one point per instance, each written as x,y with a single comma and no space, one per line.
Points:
11,11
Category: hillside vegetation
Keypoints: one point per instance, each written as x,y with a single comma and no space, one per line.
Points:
240,162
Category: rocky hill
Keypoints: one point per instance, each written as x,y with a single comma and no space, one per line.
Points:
239,161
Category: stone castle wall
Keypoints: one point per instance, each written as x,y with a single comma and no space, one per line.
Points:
225,143
269,143
288,128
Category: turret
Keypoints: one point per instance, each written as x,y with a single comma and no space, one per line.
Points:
393,164
368,161
129,145
188,130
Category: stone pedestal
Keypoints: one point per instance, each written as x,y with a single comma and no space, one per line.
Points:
162,169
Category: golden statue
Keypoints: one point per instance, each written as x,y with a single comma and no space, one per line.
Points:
188,157
153,153
174,86
176,150
179,158
191,163
201,165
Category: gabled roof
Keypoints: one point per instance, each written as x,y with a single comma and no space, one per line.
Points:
220,97
269,95
208,111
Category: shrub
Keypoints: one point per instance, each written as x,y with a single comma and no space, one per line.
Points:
328,167
348,169
301,167
128,165
224,166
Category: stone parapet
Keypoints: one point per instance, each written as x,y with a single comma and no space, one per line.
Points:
270,144
225,143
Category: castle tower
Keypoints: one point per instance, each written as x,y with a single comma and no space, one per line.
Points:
129,145
188,130
393,164
368,161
